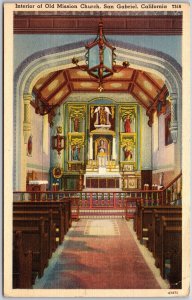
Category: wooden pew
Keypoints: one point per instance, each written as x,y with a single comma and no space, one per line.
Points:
144,218
50,227
175,276
136,215
170,241
22,264
74,208
34,239
154,229
66,202
57,213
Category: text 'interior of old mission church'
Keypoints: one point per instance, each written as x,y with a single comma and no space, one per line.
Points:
97,151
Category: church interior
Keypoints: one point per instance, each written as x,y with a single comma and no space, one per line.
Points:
97,169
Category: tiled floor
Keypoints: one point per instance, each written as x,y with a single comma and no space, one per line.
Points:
98,254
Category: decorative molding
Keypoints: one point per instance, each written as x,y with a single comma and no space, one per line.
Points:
76,138
118,25
97,13
161,96
130,110
27,117
174,122
128,140
77,111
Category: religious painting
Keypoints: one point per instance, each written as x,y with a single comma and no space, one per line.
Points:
85,85
30,145
168,137
57,172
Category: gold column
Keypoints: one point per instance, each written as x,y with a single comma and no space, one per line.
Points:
27,117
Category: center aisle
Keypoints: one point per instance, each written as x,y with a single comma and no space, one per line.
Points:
98,254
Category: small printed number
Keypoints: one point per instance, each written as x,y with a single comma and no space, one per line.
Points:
176,6
173,293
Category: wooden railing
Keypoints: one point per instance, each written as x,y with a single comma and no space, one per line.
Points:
92,199
171,194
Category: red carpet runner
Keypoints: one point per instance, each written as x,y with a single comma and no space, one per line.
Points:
100,254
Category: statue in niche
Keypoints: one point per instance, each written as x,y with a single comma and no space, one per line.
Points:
102,152
76,124
127,124
76,152
102,147
102,115
128,155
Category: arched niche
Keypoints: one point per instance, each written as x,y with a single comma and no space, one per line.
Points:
42,62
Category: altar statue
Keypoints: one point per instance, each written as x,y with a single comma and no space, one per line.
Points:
102,147
127,153
102,115
127,124
76,124
76,152
102,153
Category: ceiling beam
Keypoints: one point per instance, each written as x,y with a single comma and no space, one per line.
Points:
139,100
67,77
133,78
58,89
48,80
144,91
147,76
63,99
160,97
39,96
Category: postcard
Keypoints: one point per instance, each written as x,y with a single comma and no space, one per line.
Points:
96,149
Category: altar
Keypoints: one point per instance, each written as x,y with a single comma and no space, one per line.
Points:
105,155
102,169
103,182
37,185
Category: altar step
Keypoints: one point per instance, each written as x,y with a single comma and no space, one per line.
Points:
101,213
105,213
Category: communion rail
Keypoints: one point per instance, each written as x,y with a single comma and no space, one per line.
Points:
111,203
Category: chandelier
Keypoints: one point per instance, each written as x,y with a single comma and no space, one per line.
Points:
100,58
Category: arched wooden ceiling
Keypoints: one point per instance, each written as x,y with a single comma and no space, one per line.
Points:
52,89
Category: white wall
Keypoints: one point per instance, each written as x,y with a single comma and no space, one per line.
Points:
40,159
146,161
163,156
